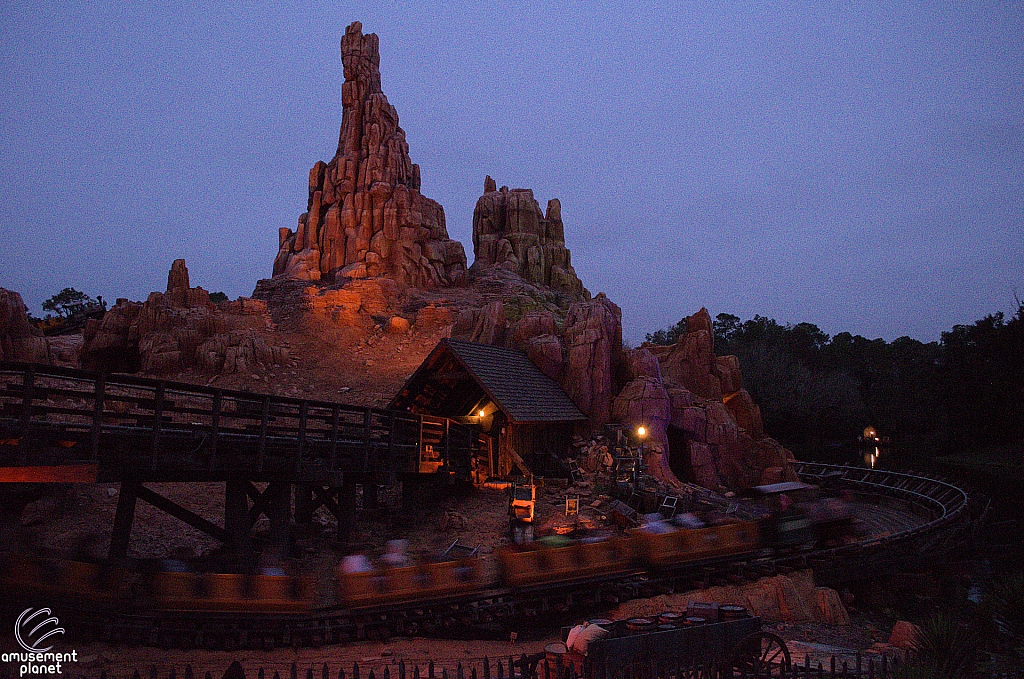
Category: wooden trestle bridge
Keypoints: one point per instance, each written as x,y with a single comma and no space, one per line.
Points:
65,425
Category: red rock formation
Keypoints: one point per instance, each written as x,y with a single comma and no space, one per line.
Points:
725,442
432,318
355,303
782,598
644,401
19,341
641,363
593,339
746,413
179,329
533,324
488,325
691,362
509,231
548,354
365,215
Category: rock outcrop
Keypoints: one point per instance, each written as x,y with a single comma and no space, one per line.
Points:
510,231
19,341
365,216
782,598
180,329
593,342
718,440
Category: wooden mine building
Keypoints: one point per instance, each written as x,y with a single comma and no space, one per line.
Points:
524,416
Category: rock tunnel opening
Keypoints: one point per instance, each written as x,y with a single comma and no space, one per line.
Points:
679,455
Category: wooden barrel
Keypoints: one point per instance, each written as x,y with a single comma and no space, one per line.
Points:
554,654
694,621
730,612
670,618
635,625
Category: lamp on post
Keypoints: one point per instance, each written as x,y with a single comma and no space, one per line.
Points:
641,433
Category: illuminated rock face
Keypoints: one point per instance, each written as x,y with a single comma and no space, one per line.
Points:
725,443
510,231
180,329
365,216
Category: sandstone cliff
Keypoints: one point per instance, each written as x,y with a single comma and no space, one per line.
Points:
180,329
509,231
365,215
713,431
19,341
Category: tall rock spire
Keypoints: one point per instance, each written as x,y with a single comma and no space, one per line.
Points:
365,215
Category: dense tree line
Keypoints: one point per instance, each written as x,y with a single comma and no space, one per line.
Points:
815,390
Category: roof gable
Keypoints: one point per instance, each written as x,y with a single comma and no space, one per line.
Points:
509,378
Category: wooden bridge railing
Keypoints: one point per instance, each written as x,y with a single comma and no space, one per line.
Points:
157,430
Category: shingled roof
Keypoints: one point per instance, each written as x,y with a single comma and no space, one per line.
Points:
509,379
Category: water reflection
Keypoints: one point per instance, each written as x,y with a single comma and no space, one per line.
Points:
870,458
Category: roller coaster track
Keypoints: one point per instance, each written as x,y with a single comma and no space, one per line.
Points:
942,508
151,430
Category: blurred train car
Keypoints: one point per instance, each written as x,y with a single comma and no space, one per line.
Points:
668,545
798,515
175,591
378,586
542,563
67,579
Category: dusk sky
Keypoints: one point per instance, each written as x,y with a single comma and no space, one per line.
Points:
858,165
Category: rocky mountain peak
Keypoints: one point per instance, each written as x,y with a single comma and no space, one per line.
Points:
365,216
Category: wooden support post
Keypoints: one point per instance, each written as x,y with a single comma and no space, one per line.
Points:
236,516
370,495
264,421
123,520
447,444
280,516
335,417
304,505
366,439
97,417
303,416
391,443
158,412
26,413
218,397
346,509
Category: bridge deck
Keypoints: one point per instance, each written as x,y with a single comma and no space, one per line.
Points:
155,430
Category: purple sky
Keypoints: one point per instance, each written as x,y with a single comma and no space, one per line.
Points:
855,165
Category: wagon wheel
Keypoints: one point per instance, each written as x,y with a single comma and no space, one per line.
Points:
761,654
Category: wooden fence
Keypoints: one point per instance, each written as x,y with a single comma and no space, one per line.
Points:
523,667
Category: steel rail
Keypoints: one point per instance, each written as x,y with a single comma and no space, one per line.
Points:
502,608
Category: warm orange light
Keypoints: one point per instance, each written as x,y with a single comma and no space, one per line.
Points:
482,413
641,431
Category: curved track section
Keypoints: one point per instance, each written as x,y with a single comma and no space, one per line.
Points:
942,516
943,509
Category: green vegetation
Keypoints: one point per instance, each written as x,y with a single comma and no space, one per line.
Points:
669,335
68,302
947,647
218,297
965,391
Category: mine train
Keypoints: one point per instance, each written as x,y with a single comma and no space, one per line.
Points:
659,547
